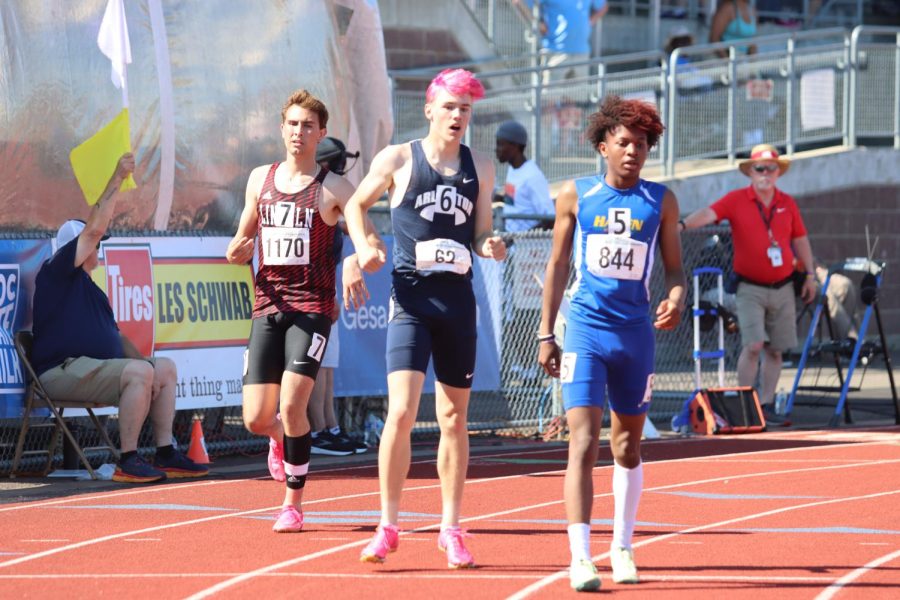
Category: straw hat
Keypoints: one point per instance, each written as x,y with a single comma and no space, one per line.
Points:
764,152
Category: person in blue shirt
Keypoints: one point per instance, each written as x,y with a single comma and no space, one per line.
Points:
613,223
565,27
79,353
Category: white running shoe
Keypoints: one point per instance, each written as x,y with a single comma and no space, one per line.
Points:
583,576
623,567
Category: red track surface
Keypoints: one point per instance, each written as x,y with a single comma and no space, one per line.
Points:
790,515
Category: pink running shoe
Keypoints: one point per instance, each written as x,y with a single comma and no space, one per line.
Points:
451,542
387,538
290,520
276,460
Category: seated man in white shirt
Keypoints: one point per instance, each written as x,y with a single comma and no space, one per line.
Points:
526,191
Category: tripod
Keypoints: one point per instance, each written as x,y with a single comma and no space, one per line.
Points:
871,283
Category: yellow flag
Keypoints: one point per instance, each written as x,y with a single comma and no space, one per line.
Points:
94,160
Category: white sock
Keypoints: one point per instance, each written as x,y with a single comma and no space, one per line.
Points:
580,541
335,430
627,485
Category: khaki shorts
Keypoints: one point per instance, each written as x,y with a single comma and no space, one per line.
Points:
767,315
84,379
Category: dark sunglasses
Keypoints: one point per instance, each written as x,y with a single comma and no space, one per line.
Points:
765,168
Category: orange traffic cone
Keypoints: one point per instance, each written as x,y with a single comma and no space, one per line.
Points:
197,450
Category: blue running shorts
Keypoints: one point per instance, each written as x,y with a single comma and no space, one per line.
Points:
597,359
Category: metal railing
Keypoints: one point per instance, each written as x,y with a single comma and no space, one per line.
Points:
798,90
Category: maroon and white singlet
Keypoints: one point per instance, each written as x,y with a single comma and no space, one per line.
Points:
295,251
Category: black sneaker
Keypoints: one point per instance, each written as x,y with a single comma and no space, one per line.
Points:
326,442
773,418
358,447
178,466
135,469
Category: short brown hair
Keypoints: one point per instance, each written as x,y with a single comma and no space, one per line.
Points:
304,99
634,114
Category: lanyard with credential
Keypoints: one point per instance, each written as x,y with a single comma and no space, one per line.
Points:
768,221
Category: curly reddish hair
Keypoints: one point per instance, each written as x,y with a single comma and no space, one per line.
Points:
634,114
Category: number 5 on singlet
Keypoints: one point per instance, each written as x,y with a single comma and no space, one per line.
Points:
285,245
615,256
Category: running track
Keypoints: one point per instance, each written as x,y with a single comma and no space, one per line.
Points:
804,514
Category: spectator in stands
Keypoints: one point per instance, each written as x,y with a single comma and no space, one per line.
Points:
80,354
565,28
679,37
526,191
734,20
767,231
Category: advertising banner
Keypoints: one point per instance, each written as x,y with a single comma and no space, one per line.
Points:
19,264
179,298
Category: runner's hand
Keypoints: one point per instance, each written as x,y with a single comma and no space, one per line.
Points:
355,291
240,250
549,357
370,259
494,247
667,315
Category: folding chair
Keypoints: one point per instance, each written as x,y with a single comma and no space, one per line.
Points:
24,341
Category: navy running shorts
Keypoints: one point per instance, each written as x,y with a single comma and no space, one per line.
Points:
433,318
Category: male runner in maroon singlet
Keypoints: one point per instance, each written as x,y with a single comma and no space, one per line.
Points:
289,217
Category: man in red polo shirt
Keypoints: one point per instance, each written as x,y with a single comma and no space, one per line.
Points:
767,232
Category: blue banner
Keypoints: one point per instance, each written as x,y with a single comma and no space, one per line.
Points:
363,333
19,264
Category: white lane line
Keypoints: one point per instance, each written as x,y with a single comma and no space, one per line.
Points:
230,515
524,593
855,574
210,591
470,574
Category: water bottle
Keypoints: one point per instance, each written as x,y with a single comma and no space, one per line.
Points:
780,401
369,437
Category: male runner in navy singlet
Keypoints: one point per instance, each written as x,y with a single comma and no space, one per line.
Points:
289,217
614,222
440,197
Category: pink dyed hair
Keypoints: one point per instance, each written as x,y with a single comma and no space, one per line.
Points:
458,82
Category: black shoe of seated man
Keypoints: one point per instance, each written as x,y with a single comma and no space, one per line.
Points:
326,443
134,469
773,418
176,465
358,447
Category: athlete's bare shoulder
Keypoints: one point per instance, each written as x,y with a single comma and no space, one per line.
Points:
256,179
483,163
393,157
337,186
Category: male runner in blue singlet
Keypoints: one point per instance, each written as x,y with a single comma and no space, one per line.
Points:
613,222
440,197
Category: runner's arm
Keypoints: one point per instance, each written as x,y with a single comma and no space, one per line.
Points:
668,313
240,248
556,276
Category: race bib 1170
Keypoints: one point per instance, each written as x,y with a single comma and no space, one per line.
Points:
285,245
